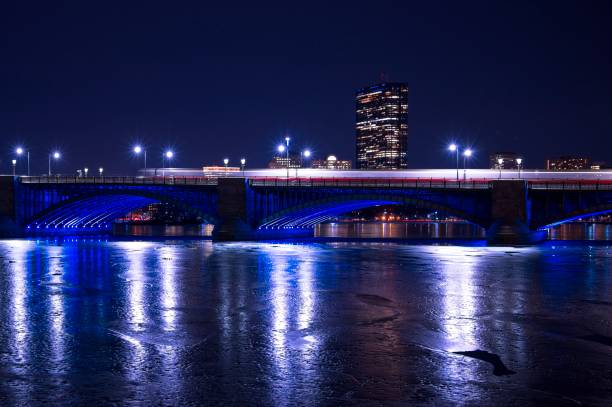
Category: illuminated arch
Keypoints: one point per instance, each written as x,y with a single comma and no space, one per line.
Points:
571,216
309,214
97,212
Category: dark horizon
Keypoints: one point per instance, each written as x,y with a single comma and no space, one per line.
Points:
214,82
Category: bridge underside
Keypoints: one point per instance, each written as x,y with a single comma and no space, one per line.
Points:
308,216
88,214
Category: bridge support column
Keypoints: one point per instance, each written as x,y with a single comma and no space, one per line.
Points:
232,211
9,227
235,220
510,215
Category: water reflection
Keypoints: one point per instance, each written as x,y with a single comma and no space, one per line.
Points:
178,322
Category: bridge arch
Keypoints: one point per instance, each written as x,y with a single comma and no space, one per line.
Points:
574,215
311,213
97,211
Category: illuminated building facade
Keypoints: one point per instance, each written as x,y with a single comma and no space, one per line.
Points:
332,163
509,161
281,162
567,163
382,126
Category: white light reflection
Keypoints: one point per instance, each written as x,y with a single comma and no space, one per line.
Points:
18,251
459,302
56,271
136,253
167,257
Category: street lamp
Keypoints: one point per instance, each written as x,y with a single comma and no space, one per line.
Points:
455,148
242,165
519,161
225,163
168,155
100,170
466,154
139,149
20,151
303,154
86,171
56,156
500,162
14,165
287,141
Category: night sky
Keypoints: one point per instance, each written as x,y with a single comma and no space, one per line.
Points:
93,78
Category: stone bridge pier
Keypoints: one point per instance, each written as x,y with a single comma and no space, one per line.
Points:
510,216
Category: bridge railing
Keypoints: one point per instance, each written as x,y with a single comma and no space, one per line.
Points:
61,179
571,185
440,183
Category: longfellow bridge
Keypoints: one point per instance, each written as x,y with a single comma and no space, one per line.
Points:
250,206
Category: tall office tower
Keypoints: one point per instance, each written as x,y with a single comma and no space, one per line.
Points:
382,126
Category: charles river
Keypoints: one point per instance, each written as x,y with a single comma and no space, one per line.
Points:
335,320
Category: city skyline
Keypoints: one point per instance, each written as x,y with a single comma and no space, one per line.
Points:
210,83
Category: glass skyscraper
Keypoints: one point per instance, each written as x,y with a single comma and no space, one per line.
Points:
382,126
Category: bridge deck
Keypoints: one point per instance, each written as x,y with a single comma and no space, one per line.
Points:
366,182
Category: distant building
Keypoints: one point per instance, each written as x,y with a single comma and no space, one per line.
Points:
382,126
599,165
508,161
332,163
281,162
567,163
218,170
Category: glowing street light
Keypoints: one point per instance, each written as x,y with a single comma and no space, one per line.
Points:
287,141
86,170
242,164
500,163
455,149
139,149
519,161
56,156
100,170
466,154
168,155
14,165
20,151
303,154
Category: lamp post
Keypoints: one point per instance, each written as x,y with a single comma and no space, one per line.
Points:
303,154
139,149
14,165
100,170
500,162
167,155
287,141
242,165
281,149
225,164
56,156
455,148
86,170
20,151
519,161
466,154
